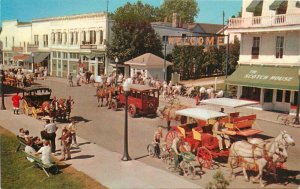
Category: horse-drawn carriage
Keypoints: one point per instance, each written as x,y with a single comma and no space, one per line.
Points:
33,98
37,101
196,128
142,100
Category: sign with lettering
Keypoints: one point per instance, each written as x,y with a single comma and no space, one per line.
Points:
253,74
195,40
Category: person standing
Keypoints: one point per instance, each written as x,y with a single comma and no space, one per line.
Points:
16,103
70,78
50,134
65,144
78,77
177,144
156,139
73,128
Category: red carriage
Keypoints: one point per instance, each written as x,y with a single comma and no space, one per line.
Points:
142,100
196,129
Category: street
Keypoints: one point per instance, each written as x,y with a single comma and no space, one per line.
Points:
105,128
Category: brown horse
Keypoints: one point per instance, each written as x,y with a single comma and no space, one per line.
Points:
102,93
168,111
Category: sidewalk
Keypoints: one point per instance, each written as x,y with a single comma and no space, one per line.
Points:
102,165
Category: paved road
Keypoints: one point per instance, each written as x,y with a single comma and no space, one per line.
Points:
105,128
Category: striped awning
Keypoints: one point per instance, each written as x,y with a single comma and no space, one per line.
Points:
20,57
254,6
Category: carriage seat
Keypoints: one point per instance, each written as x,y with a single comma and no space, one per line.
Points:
209,141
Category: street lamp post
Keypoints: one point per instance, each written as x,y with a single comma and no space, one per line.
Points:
32,55
116,61
126,88
165,54
2,86
298,101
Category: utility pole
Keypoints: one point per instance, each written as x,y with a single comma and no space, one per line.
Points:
223,22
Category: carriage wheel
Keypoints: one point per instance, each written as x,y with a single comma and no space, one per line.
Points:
170,137
204,157
25,107
132,110
114,105
33,112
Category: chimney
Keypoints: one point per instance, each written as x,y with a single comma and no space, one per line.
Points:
174,20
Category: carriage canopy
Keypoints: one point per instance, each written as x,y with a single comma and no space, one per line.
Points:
229,102
199,113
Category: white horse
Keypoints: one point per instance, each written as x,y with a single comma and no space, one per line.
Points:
258,153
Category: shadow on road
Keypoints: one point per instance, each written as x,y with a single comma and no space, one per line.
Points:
141,157
83,157
81,144
285,177
80,119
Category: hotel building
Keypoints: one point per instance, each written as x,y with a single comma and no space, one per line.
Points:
269,60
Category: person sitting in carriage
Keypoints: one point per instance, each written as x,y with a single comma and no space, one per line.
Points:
218,132
156,140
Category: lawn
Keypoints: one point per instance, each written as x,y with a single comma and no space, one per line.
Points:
17,172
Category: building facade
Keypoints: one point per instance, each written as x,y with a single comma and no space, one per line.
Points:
269,59
64,45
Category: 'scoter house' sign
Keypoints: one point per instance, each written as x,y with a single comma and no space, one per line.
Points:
253,74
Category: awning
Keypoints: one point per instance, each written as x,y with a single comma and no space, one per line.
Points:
38,57
21,57
229,102
200,113
277,4
269,77
254,5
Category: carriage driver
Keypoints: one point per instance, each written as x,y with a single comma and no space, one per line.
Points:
217,130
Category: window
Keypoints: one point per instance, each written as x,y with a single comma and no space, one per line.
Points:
65,55
53,38
65,38
295,101
279,96
59,38
45,40
279,46
93,37
13,40
54,54
76,37
5,41
101,37
72,38
268,95
255,47
287,96
36,40
84,37
58,55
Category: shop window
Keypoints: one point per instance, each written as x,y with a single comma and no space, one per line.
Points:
287,96
268,97
279,96
295,101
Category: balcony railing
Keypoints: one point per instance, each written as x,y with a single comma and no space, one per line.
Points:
32,47
17,49
265,21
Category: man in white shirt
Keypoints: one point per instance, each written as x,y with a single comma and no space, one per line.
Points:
51,128
46,153
175,148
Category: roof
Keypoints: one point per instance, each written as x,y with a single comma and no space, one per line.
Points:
36,87
148,60
199,113
38,57
234,103
210,28
141,87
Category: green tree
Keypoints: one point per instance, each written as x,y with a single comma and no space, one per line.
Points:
219,181
187,9
188,61
132,33
234,53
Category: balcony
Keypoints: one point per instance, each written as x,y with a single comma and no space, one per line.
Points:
265,21
87,45
32,47
17,49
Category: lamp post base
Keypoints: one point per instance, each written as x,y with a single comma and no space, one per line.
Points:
126,158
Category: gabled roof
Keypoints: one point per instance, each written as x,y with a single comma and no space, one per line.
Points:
148,60
210,28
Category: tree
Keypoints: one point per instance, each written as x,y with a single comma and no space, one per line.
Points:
132,32
234,53
187,9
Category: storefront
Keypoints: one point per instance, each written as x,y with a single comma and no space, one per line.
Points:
275,87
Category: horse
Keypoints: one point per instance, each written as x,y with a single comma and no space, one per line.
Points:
168,111
101,94
259,153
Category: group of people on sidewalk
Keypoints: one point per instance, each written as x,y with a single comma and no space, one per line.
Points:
46,145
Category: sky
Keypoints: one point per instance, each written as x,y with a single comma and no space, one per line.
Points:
26,10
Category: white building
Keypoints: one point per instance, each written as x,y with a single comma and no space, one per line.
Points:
269,54
62,44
